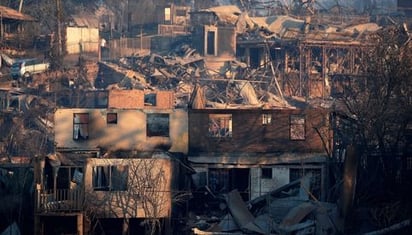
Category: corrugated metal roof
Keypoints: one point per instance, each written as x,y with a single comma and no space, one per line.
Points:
89,21
10,13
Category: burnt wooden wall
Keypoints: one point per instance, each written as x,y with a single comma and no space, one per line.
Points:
249,135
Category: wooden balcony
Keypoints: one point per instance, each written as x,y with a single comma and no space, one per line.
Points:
60,200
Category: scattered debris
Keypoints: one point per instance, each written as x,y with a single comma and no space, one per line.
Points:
286,210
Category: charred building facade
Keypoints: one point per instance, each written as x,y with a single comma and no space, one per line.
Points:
111,164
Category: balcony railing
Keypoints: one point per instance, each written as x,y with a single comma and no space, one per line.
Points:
67,200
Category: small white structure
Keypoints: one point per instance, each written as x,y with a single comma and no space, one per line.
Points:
82,35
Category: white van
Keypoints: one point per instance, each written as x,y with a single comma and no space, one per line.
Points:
25,68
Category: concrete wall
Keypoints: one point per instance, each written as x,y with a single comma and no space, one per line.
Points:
129,133
260,186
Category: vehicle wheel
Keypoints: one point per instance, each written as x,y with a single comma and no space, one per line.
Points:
26,75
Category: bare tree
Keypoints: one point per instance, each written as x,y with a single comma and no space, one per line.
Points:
152,188
139,188
375,110
378,102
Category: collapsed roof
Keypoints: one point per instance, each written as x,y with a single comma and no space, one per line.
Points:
289,27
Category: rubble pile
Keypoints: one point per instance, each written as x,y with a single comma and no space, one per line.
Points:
290,209
183,69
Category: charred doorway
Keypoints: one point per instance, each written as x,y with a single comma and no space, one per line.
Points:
224,180
240,181
52,225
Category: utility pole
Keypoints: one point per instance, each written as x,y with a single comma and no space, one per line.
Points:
1,27
59,31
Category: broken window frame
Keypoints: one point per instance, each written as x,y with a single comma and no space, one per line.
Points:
110,178
220,126
266,173
150,99
155,127
81,126
111,118
297,127
266,119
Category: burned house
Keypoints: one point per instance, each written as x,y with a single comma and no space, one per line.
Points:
305,55
156,29
150,14
247,118
15,26
243,151
214,34
175,20
300,56
112,167
256,150
278,59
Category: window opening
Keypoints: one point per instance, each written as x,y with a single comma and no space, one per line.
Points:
297,127
266,119
220,125
80,126
266,173
167,14
157,124
150,99
111,118
110,178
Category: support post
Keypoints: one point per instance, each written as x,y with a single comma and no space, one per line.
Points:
80,224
